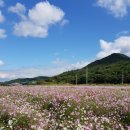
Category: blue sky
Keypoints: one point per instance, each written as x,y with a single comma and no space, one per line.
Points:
50,37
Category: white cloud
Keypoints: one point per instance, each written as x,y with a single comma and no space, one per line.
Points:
40,71
69,66
44,14
1,3
59,62
119,8
122,33
38,20
2,34
120,45
18,9
79,65
4,75
64,22
1,63
27,28
1,17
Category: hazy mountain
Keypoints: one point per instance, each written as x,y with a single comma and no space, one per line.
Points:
27,81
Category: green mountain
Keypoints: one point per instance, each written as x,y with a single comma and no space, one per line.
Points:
113,58
114,69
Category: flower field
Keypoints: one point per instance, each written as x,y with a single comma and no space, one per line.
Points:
65,108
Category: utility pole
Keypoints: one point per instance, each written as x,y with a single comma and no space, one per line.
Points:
122,79
86,75
76,78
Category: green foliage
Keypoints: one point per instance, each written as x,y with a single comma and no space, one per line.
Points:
34,99
9,123
105,71
47,106
4,118
126,119
22,121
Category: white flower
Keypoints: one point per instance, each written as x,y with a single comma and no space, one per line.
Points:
2,128
10,122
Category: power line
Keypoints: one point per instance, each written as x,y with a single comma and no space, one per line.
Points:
76,78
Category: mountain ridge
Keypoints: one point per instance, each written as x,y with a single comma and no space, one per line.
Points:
114,57
106,70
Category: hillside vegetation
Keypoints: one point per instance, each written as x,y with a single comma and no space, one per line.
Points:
114,69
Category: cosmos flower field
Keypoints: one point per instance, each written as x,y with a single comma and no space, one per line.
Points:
65,108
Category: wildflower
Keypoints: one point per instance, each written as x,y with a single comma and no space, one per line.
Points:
128,127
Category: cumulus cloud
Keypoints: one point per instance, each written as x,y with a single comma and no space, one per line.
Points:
40,71
4,75
50,14
118,8
19,9
122,33
1,63
120,45
38,19
1,17
2,34
1,3
27,28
